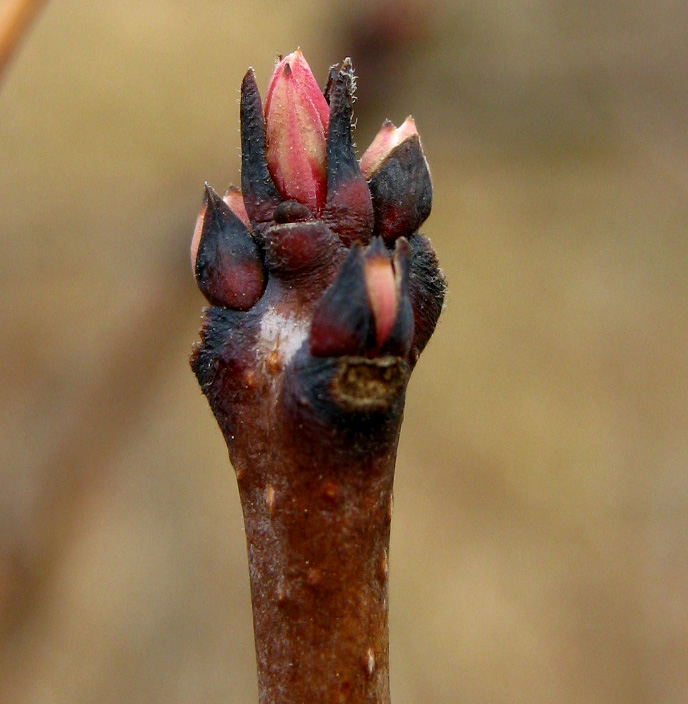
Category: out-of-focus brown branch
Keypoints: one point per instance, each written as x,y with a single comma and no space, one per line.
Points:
15,19
98,429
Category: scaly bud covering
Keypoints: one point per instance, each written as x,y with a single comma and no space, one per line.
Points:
399,180
322,295
227,262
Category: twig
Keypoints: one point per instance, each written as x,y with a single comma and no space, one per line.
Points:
323,296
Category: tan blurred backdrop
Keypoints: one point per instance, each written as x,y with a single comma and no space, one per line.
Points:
540,537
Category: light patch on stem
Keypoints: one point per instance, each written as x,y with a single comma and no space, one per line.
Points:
270,499
370,662
280,335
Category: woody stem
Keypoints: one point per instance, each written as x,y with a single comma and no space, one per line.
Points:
316,494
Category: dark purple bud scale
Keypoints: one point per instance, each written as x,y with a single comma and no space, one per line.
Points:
348,210
260,193
343,319
401,190
229,264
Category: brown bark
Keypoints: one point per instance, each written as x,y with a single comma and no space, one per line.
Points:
313,446
317,519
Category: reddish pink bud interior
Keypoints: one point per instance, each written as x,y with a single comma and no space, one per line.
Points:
235,202
196,239
383,296
380,146
385,141
407,129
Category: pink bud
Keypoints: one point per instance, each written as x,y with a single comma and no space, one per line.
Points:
296,119
385,141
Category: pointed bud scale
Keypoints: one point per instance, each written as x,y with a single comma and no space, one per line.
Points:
235,202
349,210
399,181
261,196
399,340
343,320
367,310
296,119
227,262
427,289
331,76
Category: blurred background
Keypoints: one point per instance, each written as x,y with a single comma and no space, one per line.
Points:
540,537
